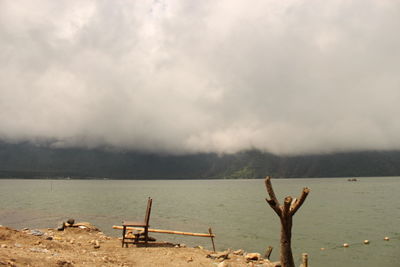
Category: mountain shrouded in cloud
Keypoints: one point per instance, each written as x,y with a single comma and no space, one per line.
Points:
288,77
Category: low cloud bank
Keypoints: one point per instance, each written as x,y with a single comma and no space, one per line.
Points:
288,77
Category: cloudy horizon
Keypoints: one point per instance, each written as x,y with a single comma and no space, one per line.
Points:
286,77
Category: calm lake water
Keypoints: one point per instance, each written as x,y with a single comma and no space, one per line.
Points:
335,212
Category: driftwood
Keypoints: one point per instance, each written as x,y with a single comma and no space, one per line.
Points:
285,212
166,231
210,233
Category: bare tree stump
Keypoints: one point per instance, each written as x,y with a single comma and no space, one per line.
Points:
285,213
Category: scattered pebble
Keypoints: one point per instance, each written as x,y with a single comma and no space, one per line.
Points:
71,222
252,256
346,245
386,238
239,252
366,242
41,250
220,255
65,263
223,264
36,233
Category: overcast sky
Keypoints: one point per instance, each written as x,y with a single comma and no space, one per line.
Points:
187,76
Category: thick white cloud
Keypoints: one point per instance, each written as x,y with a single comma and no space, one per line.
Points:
201,76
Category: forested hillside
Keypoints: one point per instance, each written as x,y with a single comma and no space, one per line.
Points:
32,161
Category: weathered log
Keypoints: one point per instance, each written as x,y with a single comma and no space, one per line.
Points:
166,231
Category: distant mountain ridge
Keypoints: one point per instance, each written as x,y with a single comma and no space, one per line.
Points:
30,161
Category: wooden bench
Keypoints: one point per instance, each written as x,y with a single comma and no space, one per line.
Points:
135,237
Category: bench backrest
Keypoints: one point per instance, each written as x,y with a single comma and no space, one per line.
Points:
148,211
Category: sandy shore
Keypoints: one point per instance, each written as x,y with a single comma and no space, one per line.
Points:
90,247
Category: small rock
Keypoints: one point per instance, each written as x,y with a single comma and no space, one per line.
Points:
182,245
199,247
3,246
65,263
49,238
25,229
17,245
41,250
223,264
239,252
276,264
107,259
190,259
36,233
252,256
71,222
97,244
220,255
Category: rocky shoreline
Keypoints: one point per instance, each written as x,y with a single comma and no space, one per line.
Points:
86,245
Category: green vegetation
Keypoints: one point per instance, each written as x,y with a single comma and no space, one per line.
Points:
30,161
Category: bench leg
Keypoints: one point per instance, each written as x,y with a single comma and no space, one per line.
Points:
123,236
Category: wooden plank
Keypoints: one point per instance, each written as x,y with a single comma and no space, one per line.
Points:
166,231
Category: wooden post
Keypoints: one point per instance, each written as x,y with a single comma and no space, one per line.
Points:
305,260
268,252
285,213
212,238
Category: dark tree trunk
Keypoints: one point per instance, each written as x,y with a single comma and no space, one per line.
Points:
285,213
286,246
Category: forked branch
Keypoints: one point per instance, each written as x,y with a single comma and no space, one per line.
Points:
297,204
273,201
